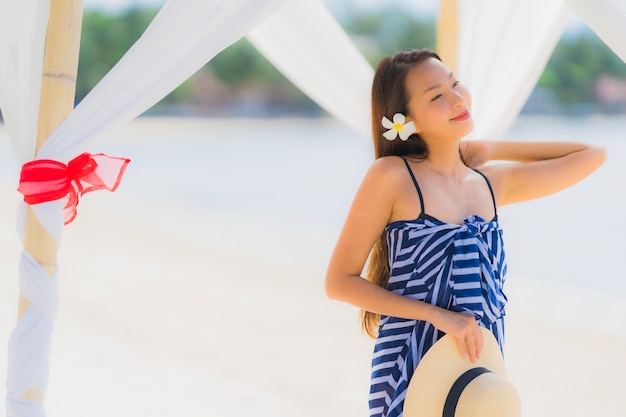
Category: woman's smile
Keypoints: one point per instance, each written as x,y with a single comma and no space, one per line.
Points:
464,115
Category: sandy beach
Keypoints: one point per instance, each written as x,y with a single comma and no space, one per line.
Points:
176,306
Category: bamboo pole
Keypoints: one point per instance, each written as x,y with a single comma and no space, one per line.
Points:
58,92
448,32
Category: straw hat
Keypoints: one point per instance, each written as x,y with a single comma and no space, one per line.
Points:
447,385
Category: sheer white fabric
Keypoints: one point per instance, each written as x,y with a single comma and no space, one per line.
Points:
184,36
607,18
515,38
309,47
22,39
503,48
188,33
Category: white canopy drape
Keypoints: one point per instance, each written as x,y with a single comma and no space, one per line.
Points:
515,38
324,64
23,35
607,18
189,33
503,47
184,36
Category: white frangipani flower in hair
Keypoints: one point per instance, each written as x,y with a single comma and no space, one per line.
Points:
398,127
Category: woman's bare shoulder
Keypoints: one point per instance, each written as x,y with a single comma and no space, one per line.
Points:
385,173
388,165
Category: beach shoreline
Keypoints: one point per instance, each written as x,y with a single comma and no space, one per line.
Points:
177,305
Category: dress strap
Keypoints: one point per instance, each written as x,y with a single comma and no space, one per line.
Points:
417,187
493,196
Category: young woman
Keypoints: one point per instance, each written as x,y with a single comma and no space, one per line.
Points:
429,219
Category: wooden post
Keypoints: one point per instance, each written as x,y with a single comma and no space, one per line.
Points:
58,92
448,32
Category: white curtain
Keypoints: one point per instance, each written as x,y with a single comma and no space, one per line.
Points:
503,48
22,38
183,37
607,18
323,63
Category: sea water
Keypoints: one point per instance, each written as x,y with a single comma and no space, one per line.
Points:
307,172
231,184
297,178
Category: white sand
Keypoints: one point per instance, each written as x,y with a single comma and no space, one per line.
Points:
170,310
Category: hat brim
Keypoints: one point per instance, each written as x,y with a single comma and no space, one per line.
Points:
440,367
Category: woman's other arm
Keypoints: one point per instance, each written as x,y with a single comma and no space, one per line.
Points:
366,220
370,213
543,168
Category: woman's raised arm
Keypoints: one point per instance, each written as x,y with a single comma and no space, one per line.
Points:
542,168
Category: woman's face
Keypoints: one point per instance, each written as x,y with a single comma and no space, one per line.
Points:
438,104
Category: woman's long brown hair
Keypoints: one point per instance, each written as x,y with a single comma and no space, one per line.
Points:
389,96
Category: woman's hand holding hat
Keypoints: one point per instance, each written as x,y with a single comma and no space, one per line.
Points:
463,328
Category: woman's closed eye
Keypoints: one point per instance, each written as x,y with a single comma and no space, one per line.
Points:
438,96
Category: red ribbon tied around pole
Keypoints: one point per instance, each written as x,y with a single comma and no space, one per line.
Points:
44,180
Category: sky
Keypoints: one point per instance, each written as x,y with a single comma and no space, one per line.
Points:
421,7
425,6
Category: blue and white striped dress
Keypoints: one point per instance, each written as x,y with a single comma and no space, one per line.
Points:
457,267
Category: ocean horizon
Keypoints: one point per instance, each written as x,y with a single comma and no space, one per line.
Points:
305,172
217,240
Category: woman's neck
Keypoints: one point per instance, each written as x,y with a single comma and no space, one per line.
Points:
444,158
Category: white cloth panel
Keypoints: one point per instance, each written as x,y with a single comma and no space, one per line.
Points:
607,18
503,47
23,26
309,47
184,36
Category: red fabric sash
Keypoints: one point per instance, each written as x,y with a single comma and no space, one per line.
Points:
44,180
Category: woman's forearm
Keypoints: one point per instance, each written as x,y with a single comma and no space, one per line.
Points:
541,168
532,151
368,296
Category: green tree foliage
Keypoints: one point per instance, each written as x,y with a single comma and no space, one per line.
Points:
104,40
576,63
240,70
106,37
241,63
388,31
